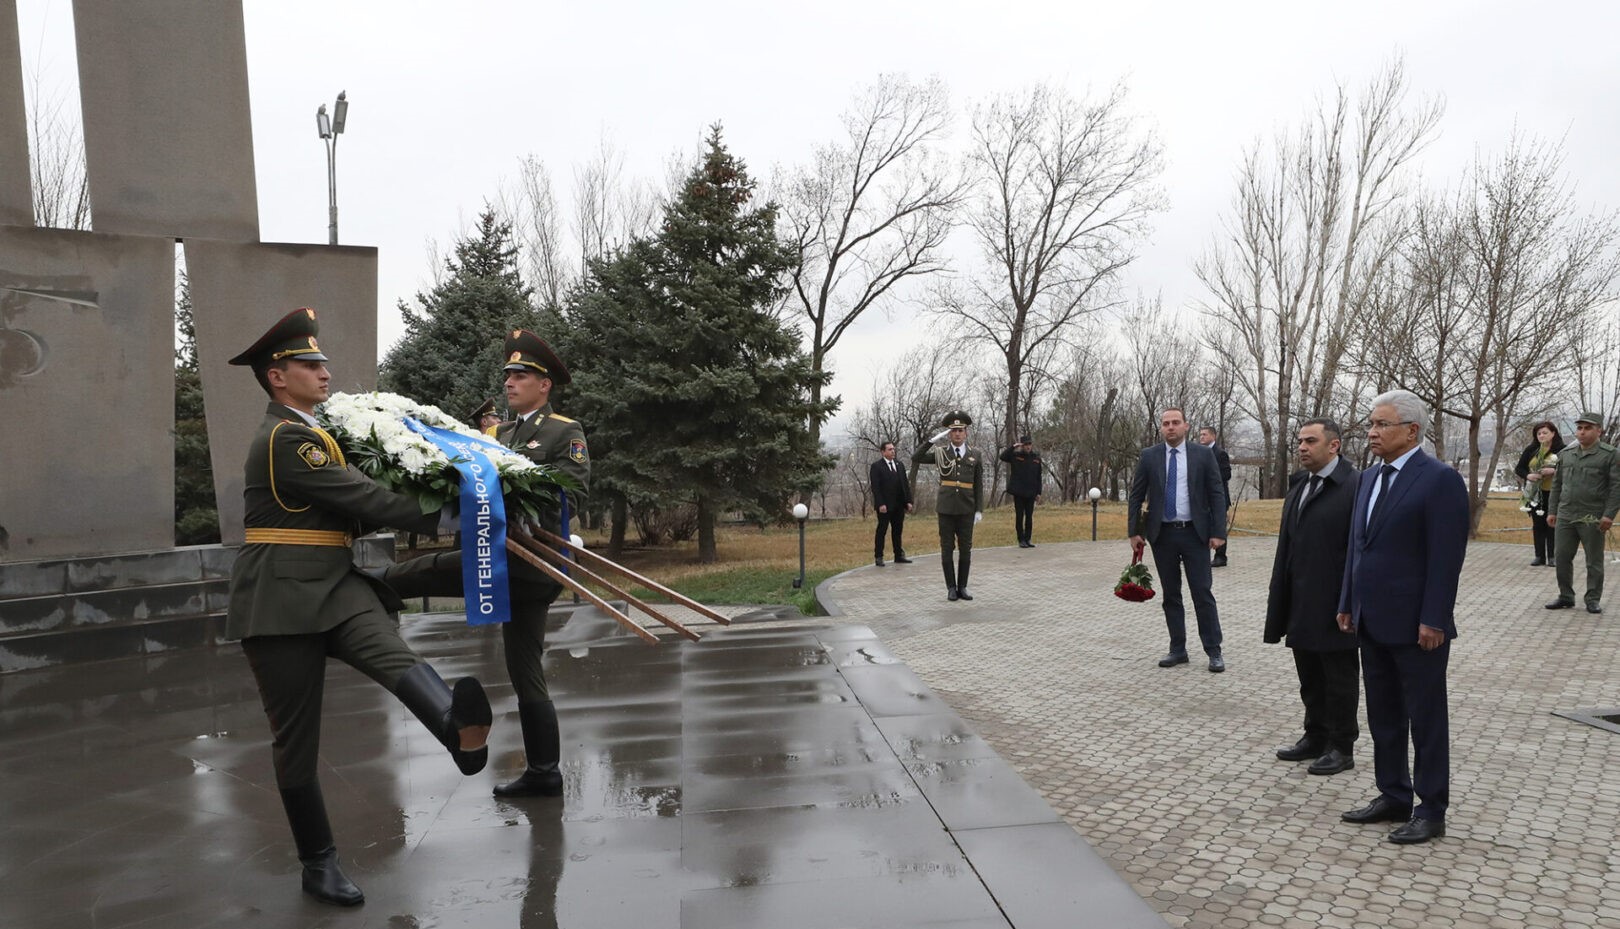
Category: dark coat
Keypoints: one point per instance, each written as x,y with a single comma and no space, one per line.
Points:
1205,494
890,489
1309,567
1403,570
1023,472
1225,462
1522,469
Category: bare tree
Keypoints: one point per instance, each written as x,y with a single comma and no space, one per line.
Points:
1504,279
871,211
56,159
1064,191
1311,228
609,210
537,227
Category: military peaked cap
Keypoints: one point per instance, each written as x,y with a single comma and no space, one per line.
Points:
484,409
526,351
292,337
1595,419
956,419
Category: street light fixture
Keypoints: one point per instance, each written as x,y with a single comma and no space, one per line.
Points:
1094,494
330,129
800,513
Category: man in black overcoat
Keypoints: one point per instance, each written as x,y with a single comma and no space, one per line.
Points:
891,497
1209,437
1304,601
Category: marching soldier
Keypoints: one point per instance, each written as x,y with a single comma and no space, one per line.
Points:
296,597
549,438
961,497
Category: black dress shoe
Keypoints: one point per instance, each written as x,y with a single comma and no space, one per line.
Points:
1303,750
1538,562
1594,607
962,592
1418,830
1560,605
1381,810
1219,562
1029,544
1173,659
1332,762
951,593
901,559
326,882
1217,664
879,562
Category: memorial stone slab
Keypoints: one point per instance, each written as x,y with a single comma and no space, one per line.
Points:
167,132
86,393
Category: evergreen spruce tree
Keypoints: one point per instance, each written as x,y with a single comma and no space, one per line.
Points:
689,384
196,518
450,355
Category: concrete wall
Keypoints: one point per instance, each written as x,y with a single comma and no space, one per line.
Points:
167,132
86,393
16,203
237,292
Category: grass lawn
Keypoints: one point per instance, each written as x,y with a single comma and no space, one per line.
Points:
759,566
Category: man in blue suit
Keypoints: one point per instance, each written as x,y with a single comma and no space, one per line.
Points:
1408,534
1180,482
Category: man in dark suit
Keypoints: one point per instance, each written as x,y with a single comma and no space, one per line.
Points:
1024,485
1304,601
1180,483
1209,437
891,495
297,599
1408,535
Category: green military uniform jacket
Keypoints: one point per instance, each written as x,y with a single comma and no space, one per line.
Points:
549,438
1586,484
295,574
961,480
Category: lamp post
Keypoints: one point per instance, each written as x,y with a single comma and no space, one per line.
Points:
800,513
330,129
1095,495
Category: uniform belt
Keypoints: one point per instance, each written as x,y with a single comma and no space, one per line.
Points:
961,484
328,537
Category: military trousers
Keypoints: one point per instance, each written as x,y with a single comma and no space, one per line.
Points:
523,639
956,537
1566,536
291,674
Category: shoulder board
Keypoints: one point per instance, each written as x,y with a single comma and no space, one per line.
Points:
560,418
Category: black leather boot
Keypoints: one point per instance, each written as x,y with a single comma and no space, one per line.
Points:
966,561
541,749
312,834
460,719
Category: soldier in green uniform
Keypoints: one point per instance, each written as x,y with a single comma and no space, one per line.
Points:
1581,507
549,438
961,497
296,597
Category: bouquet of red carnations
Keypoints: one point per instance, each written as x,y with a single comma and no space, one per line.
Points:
1136,583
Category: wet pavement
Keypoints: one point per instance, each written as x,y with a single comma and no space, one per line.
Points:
774,775
1170,773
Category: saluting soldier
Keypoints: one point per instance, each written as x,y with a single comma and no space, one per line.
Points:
547,437
296,597
1581,507
960,504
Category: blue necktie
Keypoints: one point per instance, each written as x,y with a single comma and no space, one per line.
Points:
1170,491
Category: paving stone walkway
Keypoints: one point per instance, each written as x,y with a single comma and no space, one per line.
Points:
1169,773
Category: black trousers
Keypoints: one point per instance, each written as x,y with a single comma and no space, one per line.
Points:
893,523
956,534
1406,696
291,673
1330,688
1179,548
1024,517
1542,534
523,639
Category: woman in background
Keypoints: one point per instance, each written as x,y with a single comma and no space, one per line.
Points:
1536,468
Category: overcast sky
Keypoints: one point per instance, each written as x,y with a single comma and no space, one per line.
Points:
446,97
